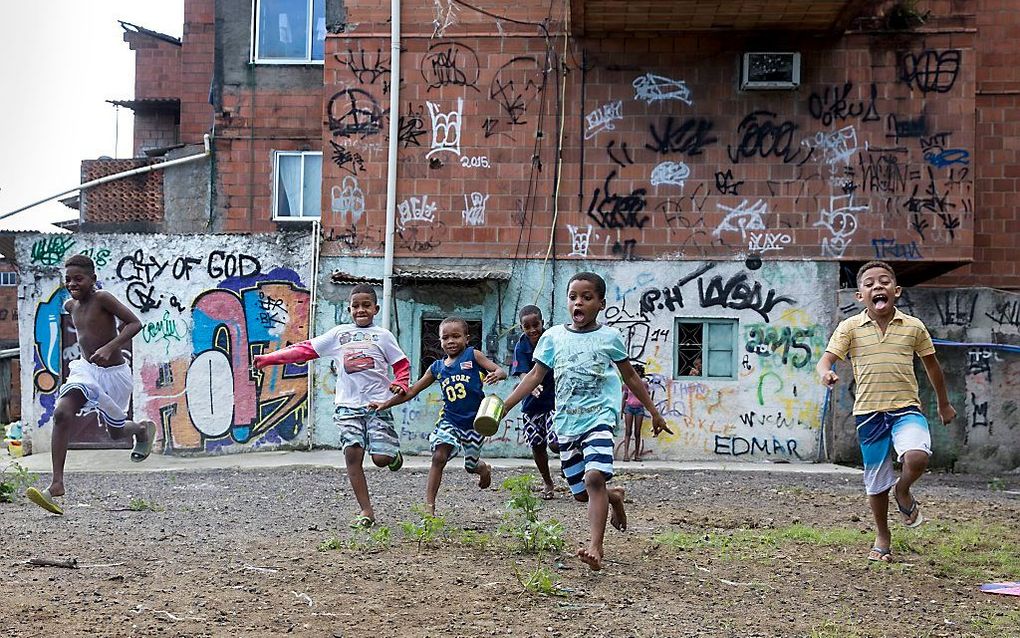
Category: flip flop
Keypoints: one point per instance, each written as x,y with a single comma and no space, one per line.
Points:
361,522
142,450
43,500
396,463
880,555
908,512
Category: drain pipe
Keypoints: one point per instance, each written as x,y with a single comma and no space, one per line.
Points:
116,176
313,296
391,167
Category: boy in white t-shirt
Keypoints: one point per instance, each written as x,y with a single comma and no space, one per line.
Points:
365,353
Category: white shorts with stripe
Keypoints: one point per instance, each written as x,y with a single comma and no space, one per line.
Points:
590,451
106,390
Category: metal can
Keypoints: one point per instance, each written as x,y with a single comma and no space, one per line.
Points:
489,414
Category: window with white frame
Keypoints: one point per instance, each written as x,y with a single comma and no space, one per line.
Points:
297,191
705,348
8,279
288,31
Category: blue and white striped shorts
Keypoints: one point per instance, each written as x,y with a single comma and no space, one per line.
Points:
879,433
590,451
467,441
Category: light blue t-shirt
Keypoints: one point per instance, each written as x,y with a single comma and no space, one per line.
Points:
588,387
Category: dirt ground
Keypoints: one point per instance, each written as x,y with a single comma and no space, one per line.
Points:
232,553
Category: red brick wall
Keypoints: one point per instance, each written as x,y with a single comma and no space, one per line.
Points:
997,163
198,45
138,198
157,66
786,184
8,308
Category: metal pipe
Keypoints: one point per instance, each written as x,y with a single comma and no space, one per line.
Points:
391,168
312,302
116,176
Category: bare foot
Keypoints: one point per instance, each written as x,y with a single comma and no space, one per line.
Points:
617,514
430,509
592,557
484,475
56,489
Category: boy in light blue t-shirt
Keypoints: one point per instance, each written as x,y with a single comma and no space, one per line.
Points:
582,355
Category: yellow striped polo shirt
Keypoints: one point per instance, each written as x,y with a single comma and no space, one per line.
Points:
883,364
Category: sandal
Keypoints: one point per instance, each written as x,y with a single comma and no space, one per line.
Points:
143,449
44,500
362,522
911,516
880,555
396,463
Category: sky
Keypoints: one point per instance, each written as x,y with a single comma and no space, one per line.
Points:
62,59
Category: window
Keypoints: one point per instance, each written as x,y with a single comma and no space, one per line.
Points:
8,279
297,194
432,348
289,31
705,349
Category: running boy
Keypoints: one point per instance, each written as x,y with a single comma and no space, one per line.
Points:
633,417
100,381
460,375
881,343
538,406
582,354
366,352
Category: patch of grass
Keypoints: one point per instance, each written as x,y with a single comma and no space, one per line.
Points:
540,582
142,505
968,551
14,479
965,551
333,543
522,524
1004,622
427,530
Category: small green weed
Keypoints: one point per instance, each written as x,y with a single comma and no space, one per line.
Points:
472,538
426,530
832,630
366,540
14,479
997,623
997,484
540,582
142,505
522,524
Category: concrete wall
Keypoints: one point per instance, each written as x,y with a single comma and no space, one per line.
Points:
983,380
771,410
207,304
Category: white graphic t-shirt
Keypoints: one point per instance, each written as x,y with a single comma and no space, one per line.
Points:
364,357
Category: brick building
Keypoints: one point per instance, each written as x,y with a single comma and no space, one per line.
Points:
725,166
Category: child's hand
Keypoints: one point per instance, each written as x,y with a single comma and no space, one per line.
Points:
258,362
829,378
378,407
103,356
947,413
659,425
495,376
397,389
537,392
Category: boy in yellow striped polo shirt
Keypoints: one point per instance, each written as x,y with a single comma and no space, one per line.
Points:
881,343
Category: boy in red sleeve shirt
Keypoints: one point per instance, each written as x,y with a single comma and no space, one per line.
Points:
365,352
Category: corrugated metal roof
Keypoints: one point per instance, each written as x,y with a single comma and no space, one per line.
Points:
341,277
150,104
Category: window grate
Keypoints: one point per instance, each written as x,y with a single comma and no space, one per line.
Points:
705,348
432,347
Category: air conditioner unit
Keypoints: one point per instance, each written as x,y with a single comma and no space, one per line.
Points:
771,70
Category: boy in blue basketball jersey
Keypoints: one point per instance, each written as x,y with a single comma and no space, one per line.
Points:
461,376
589,360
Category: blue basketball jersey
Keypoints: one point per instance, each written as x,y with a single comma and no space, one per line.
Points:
461,386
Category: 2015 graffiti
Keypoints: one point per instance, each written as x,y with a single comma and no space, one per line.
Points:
766,341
